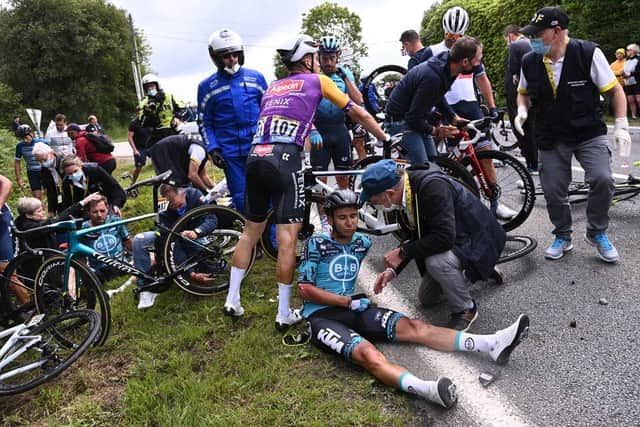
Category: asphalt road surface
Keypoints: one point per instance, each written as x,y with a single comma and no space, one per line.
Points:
560,375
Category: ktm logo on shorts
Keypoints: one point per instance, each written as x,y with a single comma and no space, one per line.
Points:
283,88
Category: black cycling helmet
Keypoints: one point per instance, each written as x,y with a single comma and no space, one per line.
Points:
23,130
341,199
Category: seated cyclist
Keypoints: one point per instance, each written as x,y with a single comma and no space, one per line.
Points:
274,167
347,324
180,200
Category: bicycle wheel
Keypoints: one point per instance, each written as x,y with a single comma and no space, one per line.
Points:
83,291
381,79
208,258
503,136
17,286
456,170
513,188
516,247
48,356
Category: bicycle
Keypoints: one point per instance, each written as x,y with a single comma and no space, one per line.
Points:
502,134
622,191
35,351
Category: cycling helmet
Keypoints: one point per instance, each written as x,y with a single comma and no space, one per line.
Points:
23,130
455,21
330,44
222,42
150,78
297,49
343,198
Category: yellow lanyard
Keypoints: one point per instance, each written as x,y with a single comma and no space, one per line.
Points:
547,66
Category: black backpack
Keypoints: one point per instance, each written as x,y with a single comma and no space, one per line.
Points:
102,143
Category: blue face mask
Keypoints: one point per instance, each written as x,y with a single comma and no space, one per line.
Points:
76,176
538,46
47,163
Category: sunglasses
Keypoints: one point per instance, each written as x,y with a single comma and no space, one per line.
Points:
229,55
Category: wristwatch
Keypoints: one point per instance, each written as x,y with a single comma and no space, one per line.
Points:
198,231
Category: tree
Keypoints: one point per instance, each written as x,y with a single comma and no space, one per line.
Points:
72,56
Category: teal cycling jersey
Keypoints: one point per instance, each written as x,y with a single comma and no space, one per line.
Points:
331,266
328,113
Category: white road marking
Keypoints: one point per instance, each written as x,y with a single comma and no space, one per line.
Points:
485,405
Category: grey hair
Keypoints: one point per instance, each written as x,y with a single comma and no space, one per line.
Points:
28,205
633,46
41,149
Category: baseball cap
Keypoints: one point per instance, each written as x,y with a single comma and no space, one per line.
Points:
73,126
377,178
547,17
91,128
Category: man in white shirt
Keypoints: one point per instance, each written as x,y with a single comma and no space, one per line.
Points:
58,139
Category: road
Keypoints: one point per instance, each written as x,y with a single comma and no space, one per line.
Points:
561,375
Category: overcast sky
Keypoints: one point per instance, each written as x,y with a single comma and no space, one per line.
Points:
178,32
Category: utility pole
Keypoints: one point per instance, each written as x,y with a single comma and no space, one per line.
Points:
135,62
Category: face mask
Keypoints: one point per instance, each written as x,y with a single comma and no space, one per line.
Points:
77,176
392,208
538,46
47,163
152,92
232,70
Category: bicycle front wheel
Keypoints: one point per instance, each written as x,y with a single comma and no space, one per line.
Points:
513,189
83,291
45,354
204,264
516,247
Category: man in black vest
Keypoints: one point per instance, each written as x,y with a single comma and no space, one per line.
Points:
457,239
186,156
561,82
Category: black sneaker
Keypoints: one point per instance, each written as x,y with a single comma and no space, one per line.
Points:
463,320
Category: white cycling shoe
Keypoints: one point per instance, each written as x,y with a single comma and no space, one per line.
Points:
283,322
504,212
147,299
233,310
509,338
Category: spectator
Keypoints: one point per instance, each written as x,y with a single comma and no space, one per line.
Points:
24,149
83,179
110,241
631,76
95,126
58,138
51,175
185,155
6,242
14,125
617,66
138,138
412,46
87,151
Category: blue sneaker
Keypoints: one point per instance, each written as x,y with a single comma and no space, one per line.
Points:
558,248
533,172
606,251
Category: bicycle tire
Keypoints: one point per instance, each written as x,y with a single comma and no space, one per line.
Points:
50,298
270,247
46,352
514,186
219,244
20,273
369,80
524,245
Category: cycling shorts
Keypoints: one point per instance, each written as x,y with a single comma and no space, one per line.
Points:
340,330
471,110
35,180
6,241
274,178
336,146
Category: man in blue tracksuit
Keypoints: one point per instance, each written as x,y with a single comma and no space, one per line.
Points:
228,107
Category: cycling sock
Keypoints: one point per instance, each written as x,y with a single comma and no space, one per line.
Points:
284,295
237,274
409,383
473,342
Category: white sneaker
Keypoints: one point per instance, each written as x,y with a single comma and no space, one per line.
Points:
446,395
233,310
504,212
508,339
283,323
147,299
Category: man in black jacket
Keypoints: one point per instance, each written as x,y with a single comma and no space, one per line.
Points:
458,240
186,156
83,179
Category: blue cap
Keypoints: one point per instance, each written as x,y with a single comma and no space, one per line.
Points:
377,178
73,126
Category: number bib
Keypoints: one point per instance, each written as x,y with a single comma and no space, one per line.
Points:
281,129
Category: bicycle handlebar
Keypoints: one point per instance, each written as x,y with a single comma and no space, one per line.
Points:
154,180
70,224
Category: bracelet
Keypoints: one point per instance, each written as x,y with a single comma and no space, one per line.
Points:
349,302
391,270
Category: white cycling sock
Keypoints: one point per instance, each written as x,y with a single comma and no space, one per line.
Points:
409,383
284,295
235,280
473,342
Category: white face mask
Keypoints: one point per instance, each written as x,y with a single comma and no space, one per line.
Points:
232,70
152,92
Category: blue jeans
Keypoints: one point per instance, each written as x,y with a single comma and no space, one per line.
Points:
419,145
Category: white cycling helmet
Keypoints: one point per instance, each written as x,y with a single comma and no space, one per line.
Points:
297,49
455,21
222,42
150,78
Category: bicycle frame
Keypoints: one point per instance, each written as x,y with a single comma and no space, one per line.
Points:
11,350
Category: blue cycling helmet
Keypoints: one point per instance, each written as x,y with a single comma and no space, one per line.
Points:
330,44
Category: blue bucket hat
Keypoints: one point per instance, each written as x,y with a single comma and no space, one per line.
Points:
377,178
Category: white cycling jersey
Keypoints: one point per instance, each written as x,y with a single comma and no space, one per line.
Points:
462,89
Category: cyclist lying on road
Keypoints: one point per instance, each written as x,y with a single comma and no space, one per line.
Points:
344,323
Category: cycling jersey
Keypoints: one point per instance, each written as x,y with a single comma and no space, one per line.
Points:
331,266
24,149
289,106
107,241
228,109
327,112
60,142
